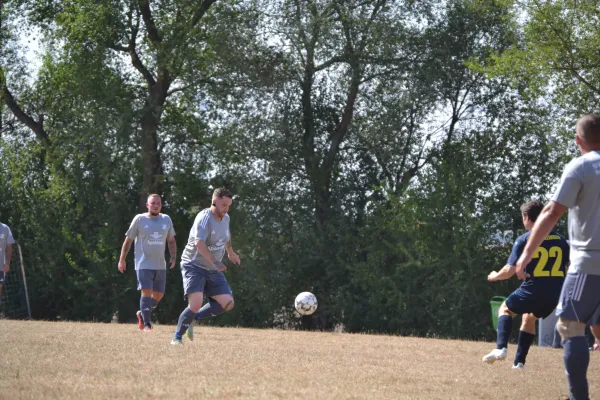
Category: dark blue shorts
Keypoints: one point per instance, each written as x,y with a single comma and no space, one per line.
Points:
209,282
155,279
2,277
580,298
540,302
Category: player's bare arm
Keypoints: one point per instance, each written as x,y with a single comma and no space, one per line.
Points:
7,256
201,247
233,257
548,218
505,273
172,250
124,250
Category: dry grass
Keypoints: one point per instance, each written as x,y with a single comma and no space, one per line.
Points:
84,360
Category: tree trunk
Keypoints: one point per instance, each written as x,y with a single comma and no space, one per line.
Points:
152,168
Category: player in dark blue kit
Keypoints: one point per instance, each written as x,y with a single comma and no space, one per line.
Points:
538,296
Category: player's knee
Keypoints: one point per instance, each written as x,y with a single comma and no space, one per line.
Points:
503,310
568,329
229,305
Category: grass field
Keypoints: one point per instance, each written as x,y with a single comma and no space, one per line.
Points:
84,360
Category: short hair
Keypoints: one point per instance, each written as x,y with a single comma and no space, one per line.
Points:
589,129
532,209
221,192
152,195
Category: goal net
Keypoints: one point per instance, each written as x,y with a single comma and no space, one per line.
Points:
15,298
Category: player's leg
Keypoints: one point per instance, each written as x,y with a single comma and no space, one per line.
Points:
578,305
194,282
220,296
506,312
220,299
145,283
526,337
159,282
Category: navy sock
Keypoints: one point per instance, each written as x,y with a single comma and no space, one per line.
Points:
577,359
146,308
0,300
185,319
504,329
210,309
525,341
154,304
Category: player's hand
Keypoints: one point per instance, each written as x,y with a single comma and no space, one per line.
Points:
521,264
173,262
6,268
234,258
220,266
492,276
122,266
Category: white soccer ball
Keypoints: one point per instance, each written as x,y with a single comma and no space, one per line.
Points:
306,303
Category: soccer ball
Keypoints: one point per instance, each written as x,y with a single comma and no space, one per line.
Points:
306,303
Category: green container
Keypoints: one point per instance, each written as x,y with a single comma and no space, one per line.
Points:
496,302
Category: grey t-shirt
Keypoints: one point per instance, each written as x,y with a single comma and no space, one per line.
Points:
213,232
6,238
150,240
579,190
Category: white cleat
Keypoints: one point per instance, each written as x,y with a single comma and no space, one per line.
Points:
519,366
495,355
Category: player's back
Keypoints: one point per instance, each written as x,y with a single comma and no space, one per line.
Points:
584,212
548,267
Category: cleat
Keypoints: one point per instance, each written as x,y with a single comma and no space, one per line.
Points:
519,366
495,355
176,341
148,328
140,320
190,332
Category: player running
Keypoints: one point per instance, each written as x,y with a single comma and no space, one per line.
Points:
538,296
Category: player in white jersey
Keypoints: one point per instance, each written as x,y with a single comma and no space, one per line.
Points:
579,304
6,242
150,231
201,265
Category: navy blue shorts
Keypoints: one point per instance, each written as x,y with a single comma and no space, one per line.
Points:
2,277
155,279
540,303
580,298
209,282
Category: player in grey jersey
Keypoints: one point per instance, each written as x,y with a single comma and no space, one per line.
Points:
201,265
150,231
6,242
579,304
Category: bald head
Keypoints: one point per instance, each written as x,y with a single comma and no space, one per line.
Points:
588,130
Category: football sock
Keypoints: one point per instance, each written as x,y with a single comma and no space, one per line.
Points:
504,329
577,359
154,304
185,319
525,341
146,307
210,309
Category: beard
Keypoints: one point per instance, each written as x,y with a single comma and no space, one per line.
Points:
154,213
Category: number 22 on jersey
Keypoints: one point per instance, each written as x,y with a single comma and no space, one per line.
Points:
542,254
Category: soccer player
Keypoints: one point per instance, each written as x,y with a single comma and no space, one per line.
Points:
579,192
201,265
6,242
538,295
150,231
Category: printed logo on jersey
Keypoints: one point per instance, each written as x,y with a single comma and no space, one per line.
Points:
164,227
218,246
156,239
